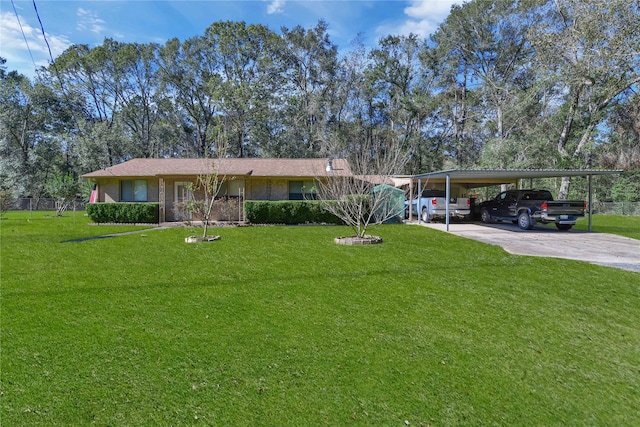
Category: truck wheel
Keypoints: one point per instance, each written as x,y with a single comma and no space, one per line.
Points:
524,221
564,227
425,215
485,216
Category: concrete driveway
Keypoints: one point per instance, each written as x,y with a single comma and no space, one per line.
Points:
597,248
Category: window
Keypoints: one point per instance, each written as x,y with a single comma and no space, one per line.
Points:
182,192
133,190
235,187
231,188
433,193
300,190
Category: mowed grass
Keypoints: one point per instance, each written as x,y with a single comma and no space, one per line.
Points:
627,226
280,326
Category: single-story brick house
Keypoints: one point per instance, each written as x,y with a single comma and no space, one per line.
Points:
164,180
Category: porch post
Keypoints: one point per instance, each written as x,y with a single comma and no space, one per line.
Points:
161,201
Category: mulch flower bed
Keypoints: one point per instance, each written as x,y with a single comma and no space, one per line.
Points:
355,240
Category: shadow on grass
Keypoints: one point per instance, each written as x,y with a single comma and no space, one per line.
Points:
84,239
105,236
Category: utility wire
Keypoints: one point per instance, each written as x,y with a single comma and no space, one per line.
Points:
43,33
24,35
57,73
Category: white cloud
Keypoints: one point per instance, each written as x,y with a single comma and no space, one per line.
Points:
16,51
276,6
422,28
424,17
88,20
434,10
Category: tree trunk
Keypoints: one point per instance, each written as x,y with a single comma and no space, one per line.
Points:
565,186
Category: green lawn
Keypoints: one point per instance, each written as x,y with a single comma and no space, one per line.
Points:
628,226
280,326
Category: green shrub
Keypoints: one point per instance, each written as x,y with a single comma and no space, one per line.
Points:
146,213
287,212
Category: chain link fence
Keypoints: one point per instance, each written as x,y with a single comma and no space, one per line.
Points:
617,208
43,204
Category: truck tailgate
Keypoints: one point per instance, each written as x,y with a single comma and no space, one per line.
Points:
565,207
454,203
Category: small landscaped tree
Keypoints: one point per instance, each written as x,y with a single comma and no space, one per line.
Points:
63,188
350,197
204,192
6,198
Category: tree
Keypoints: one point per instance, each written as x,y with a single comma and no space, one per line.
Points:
589,56
311,62
248,76
63,188
6,199
141,98
350,196
204,191
206,188
33,125
92,82
190,72
491,39
623,149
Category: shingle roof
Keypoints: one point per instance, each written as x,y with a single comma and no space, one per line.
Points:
227,166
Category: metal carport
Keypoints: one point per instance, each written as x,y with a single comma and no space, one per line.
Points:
475,178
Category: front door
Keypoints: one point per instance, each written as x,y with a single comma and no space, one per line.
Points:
181,195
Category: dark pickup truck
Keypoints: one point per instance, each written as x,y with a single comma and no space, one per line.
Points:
527,207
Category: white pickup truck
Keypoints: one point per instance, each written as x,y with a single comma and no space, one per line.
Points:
433,205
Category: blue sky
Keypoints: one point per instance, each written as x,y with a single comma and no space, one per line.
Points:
89,22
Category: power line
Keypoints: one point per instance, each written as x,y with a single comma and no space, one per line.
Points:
42,28
24,35
55,68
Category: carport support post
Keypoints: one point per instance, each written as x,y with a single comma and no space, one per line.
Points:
448,195
410,199
590,200
419,200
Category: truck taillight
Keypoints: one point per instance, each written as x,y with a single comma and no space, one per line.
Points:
468,202
544,206
434,201
584,206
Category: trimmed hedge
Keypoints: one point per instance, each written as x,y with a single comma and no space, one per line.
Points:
287,212
146,213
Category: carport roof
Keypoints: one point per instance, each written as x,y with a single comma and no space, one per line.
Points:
485,177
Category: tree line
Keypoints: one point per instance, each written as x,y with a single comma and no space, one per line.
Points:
500,84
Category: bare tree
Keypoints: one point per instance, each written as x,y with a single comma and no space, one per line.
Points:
351,196
207,186
204,191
